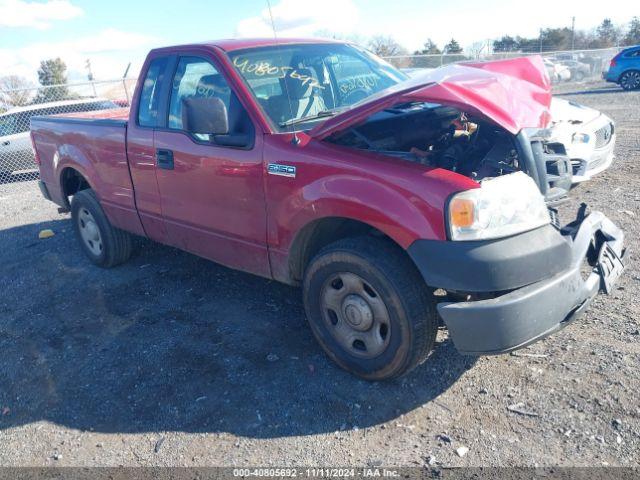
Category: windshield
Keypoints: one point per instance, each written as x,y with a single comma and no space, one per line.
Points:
303,84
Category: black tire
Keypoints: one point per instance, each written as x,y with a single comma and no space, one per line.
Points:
579,76
115,245
630,80
385,271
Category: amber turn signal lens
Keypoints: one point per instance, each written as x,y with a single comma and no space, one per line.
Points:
461,212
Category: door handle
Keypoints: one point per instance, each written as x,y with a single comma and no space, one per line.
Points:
164,159
6,143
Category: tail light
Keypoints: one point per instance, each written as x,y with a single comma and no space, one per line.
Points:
33,147
612,63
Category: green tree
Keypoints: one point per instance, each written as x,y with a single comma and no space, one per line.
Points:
429,48
633,34
453,47
528,44
555,39
608,33
433,60
506,44
52,72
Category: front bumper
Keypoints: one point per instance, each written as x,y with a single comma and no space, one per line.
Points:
585,170
524,315
594,157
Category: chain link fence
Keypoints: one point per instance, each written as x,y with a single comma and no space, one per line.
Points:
17,106
562,66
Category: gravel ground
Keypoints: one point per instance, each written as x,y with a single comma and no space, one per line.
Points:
173,360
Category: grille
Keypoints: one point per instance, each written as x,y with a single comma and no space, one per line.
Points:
603,135
555,219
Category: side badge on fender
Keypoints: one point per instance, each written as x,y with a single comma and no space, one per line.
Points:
282,170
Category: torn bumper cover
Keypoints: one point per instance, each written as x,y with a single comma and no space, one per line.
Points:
529,313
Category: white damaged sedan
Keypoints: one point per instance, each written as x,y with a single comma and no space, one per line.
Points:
587,134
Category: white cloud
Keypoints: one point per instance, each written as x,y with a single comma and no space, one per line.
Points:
299,18
40,15
109,50
411,22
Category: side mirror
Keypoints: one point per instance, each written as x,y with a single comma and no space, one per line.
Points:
205,115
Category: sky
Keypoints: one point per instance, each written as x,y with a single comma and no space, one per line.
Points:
114,33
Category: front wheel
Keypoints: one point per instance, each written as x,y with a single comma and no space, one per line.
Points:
104,244
369,308
630,80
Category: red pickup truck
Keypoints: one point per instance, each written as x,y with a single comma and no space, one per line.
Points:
393,202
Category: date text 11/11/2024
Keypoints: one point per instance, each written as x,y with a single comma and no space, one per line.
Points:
371,472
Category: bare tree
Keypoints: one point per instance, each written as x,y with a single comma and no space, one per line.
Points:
15,91
386,46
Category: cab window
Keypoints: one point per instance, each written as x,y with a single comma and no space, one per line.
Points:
150,95
197,79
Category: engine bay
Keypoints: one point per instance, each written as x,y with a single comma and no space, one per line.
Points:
438,136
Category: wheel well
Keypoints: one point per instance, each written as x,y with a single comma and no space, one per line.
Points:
316,235
72,182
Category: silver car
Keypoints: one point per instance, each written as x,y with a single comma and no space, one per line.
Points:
16,155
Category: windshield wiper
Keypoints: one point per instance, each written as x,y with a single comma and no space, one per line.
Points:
321,114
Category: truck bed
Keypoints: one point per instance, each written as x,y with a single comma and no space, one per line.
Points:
94,143
114,116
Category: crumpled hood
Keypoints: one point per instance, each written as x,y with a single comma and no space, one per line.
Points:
514,93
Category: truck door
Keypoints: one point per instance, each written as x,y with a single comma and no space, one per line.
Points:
212,192
148,112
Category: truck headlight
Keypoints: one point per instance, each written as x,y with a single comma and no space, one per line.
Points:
502,206
580,138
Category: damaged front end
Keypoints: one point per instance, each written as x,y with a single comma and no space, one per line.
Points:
441,136
590,256
509,273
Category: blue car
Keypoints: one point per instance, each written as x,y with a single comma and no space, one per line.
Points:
625,69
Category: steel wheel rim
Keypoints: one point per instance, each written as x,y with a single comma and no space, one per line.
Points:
355,315
631,80
89,231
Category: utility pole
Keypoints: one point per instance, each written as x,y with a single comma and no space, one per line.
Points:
573,33
90,76
87,65
540,40
124,83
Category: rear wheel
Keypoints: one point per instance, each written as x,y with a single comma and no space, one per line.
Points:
104,244
369,308
630,80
